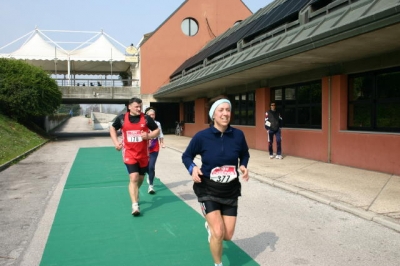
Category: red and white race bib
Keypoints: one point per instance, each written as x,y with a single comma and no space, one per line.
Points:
223,174
133,136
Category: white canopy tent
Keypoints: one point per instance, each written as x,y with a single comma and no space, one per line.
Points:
96,56
103,56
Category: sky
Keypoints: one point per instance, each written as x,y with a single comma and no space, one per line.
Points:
124,20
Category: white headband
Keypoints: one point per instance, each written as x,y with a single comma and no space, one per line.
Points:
215,105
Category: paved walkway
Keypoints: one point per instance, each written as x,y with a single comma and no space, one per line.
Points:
371,195
293,230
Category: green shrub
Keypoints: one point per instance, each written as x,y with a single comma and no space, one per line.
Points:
26,91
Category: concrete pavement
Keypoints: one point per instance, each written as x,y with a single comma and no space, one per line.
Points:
370,195
30,192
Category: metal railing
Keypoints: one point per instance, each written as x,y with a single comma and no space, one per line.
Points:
98,82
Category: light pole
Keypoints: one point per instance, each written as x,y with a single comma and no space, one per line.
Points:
111,64
55,60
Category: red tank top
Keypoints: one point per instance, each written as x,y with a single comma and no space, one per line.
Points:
154,145
135,149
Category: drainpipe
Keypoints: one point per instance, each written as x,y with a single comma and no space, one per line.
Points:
329,117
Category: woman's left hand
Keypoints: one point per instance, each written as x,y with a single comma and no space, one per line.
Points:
245,173
196,173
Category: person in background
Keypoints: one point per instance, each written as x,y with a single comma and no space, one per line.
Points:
137,129
224,152
154,148
273,125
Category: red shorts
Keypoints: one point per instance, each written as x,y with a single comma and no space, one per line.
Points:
143,162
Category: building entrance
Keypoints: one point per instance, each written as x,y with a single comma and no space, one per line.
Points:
167,114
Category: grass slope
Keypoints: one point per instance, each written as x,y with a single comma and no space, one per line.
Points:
16,139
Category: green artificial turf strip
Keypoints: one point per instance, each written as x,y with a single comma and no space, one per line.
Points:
94,225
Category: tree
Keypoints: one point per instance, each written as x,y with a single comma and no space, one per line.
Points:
26,90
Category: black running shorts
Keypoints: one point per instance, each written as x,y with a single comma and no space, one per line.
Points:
210,206
135,168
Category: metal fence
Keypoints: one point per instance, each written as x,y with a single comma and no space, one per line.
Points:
98,82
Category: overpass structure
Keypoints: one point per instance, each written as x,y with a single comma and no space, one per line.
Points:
94,70
96,94
99,91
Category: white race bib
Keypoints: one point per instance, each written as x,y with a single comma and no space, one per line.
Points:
133,136
223,174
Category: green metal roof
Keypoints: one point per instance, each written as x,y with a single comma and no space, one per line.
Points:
341,31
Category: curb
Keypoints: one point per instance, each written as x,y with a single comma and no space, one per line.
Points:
366,215
9,163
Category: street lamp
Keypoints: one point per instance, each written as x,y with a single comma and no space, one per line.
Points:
111,62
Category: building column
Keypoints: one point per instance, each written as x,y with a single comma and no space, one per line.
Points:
201,112
263,98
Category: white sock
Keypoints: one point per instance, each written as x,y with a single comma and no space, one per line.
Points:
135,204
218,264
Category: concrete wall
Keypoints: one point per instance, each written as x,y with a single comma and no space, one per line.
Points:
51,122
101,121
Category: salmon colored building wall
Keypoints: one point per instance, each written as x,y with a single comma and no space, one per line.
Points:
306,143
260,134
169,47
332,143
309,143
367,150
201,118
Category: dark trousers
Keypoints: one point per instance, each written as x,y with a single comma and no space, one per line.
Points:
271,134
152,166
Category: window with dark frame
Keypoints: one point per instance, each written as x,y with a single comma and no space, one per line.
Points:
374,101
188,112
243,109
300,105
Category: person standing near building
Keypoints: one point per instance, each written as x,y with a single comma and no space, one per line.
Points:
137,129
154,148
224,152
273,124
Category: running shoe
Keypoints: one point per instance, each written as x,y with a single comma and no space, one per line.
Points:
279,157
150,190
208,231
271,157
135,209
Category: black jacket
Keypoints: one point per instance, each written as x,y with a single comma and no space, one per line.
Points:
273,120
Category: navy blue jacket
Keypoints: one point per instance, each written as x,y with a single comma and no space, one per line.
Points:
217,149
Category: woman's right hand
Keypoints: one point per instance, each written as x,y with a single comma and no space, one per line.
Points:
118,147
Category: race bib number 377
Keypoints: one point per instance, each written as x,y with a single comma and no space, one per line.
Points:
223,174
